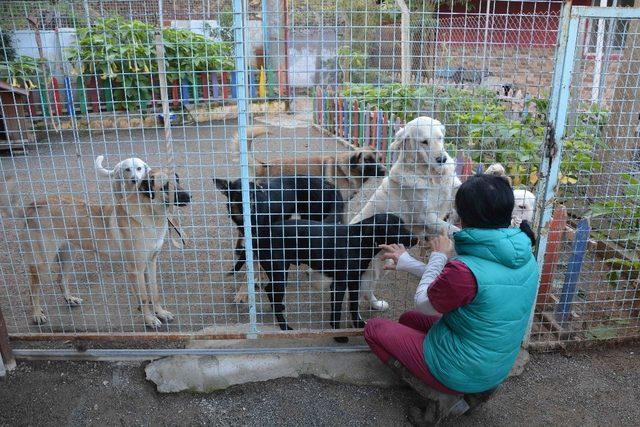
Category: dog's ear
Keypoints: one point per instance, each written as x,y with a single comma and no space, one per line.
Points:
177,178
146,187
398,139
356,158
221,184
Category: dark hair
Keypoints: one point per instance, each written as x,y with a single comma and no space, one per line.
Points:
486,201
526,229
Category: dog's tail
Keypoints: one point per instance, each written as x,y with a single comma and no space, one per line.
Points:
252,133
10,200
100,169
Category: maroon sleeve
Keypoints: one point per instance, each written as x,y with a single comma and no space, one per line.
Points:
454,287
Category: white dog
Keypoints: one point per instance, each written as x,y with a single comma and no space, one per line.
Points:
420,188
125,176
525,201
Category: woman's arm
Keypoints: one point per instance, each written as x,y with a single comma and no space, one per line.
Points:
411,265
437,261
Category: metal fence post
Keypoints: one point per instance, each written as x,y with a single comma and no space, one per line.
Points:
552,155
239,7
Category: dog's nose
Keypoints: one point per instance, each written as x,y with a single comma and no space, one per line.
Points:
183,198
441,159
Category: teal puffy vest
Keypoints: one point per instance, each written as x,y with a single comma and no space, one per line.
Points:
472,349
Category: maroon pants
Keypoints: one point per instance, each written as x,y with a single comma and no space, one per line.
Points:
403,341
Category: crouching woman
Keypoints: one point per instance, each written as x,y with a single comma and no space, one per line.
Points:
471,310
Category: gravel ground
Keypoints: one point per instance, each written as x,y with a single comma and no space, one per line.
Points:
588,389
193,281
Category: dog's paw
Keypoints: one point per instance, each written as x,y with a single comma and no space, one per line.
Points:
73,301
152,321
379,305
341,340
164,315
38,316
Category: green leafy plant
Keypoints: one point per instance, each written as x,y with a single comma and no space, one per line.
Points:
7,52
123,53
625,210
20,73
479,124
350,60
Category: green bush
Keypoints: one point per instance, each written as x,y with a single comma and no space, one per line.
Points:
124,54
479,124
20,73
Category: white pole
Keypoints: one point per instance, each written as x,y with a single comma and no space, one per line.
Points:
405,51
595,89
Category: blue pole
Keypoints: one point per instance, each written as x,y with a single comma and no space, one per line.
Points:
239,24
69,95
573,270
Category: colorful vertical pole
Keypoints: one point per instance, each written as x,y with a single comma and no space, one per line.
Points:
550,263
82,95
175,93
339,127
92,95
68,93
43,98
384,140
184,91
56,97
226,90
355,124
262,83
573,271
346,116
215,88
204,83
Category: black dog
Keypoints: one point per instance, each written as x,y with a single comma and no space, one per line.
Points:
278,199
342,252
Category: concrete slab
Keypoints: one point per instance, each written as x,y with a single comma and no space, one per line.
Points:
322,358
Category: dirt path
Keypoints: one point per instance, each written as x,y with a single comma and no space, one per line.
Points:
587,389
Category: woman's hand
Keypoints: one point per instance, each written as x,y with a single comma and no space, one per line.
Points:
442,244
392,252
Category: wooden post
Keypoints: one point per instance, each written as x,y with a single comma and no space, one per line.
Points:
204,82
550,262
467,169
355,138
56,97
175,93
5,348
339,107
384,143
215,88
262,83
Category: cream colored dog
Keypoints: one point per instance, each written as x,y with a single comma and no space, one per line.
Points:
420,189
125,175
133,231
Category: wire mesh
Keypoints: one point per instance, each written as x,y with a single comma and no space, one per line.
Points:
593,293
323,91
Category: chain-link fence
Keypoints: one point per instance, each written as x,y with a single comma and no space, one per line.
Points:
232,96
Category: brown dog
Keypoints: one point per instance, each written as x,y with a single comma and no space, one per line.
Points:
348,171
132,231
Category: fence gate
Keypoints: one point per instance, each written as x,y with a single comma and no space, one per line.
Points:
589,192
